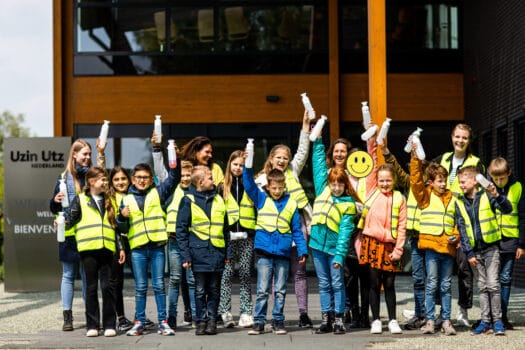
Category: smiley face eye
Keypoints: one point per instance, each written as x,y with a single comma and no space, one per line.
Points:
363,160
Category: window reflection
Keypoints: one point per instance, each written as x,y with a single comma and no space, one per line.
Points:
263,38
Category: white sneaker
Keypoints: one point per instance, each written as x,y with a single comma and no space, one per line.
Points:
92,333
376,327
110,333
462,318
246,321
409,314
394,328
227,318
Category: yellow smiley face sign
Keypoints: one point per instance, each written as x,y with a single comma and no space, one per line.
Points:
359,164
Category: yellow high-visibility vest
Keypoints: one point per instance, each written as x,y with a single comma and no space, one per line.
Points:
147,226
488,223
270,220
329,213
93,231
204,228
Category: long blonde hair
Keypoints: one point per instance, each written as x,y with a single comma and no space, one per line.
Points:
75,148
228,177
268,165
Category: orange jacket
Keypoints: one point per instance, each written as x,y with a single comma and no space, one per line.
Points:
422,193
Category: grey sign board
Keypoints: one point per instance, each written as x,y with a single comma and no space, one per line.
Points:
31,168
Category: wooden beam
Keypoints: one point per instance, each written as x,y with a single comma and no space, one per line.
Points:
333,70
377,62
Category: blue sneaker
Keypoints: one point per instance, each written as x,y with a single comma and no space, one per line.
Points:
165,329
499,328
482,328
137,329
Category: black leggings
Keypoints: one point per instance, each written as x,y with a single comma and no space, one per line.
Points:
386,279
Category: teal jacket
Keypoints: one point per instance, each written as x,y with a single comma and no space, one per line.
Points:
321,237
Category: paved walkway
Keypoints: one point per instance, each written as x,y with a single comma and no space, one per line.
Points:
34,321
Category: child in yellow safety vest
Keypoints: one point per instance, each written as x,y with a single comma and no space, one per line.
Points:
479,237
93,217
203,240
241,221
512,226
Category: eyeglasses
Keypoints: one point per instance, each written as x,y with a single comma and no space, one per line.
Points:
142,178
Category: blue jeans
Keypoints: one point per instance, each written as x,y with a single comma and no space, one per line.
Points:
439,275
141,258
505,279
175,267
207,294
331,282
418,276
271,269
67,286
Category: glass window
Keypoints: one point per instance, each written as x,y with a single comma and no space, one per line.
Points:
216,38
502,141
421,36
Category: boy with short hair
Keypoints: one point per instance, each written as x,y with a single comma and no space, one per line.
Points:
436,237
204,244
278,224
512,226
479,237
142,217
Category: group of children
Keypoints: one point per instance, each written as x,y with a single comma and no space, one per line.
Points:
203,222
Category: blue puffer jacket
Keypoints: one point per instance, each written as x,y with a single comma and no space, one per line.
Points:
321,237
204,257
274,243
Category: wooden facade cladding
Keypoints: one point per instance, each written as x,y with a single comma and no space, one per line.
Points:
242,99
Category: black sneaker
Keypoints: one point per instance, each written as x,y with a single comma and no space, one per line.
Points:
201,328
508,326
187,317
305,321
149,324
124,324
278,328
415,323
172,322
258,328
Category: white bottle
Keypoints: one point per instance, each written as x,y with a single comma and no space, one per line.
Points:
408,146
369,133
157,128
172,154
250,150
384,131
61,227
63,188
482,180
318,128
365,111
238,235
308,106
103,137
420,152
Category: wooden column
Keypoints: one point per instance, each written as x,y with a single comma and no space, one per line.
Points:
333,70
377,63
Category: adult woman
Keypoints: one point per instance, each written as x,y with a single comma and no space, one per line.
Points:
79,161
199,152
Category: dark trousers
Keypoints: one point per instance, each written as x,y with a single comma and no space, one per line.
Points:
465,280
97,266
117,279
207,295
357,282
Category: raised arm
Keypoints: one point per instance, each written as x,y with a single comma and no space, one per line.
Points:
301,156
